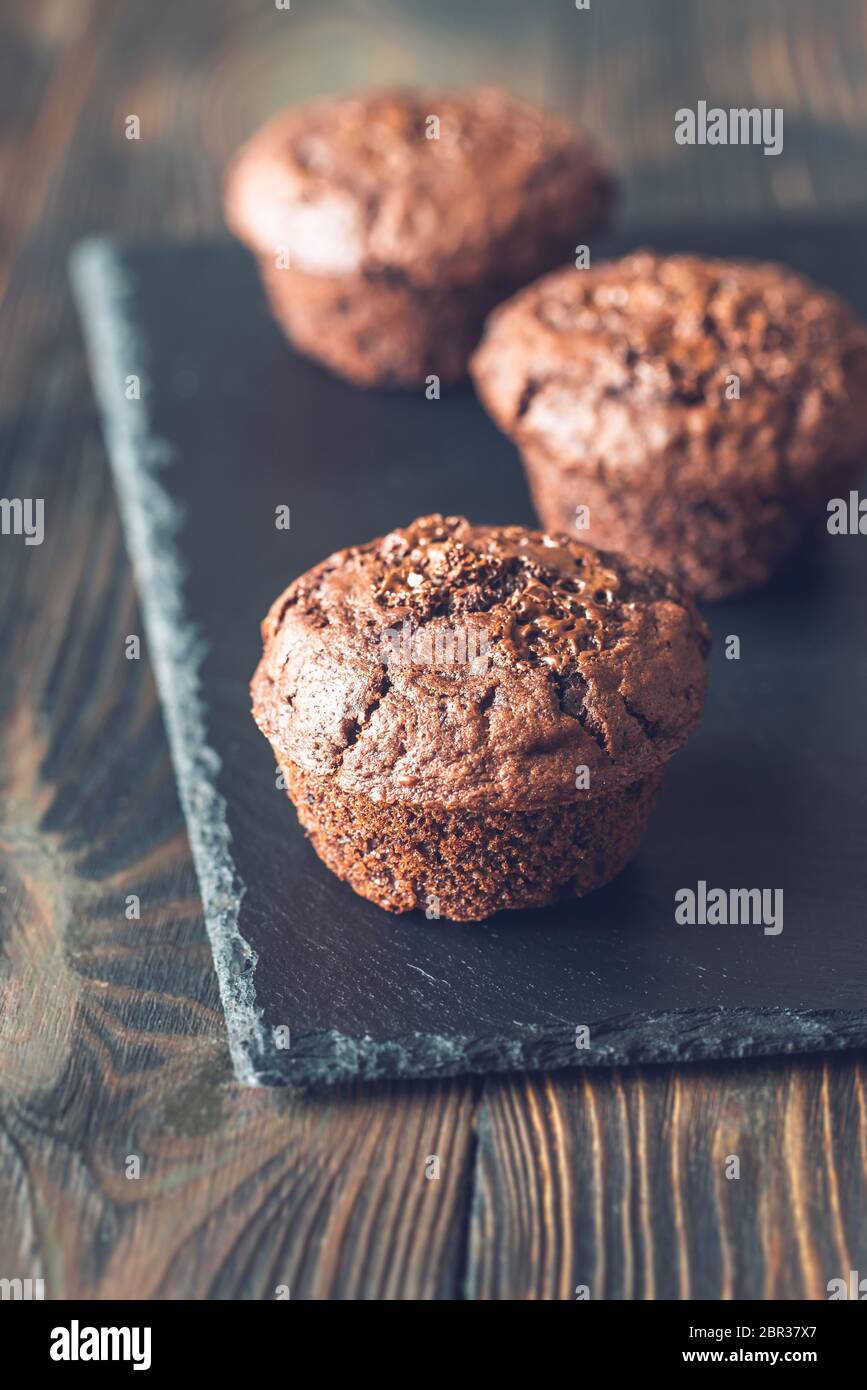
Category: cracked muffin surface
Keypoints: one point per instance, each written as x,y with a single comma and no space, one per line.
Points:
703,411
457,666
403,217
636,355
356,185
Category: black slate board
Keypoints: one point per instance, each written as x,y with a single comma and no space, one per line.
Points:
771,793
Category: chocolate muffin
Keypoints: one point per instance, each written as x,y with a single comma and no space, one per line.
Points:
405,218
471,718
702,411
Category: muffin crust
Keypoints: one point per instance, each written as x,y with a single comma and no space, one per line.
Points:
505,780
702,410
392,235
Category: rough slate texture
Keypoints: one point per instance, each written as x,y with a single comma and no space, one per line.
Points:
771,792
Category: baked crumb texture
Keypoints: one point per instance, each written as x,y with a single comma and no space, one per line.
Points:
398,244
509,780
618,386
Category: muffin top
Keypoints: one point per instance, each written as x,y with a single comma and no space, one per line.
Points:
357,186
478,666
633,363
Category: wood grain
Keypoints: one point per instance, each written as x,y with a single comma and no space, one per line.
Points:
624,1183
112,1043
111,1037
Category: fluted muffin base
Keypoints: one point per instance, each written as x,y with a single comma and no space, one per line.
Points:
463,865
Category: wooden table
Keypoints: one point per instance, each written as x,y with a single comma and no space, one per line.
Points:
112,1042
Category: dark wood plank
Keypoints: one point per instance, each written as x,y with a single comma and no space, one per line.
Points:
111,1039
620,1183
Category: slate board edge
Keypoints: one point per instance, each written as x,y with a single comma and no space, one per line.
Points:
151,518
329,1058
